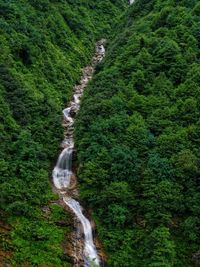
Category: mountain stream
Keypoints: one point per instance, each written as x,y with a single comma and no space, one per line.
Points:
64,179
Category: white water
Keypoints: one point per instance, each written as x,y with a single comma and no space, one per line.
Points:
89,249
131,2
62,172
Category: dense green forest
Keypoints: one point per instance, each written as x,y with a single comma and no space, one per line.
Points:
138,138
44,44
137,133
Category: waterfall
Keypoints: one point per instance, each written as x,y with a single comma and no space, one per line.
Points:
62,173
89,250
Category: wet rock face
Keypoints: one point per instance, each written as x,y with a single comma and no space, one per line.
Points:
75,245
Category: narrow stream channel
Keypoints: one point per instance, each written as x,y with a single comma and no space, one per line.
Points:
63,176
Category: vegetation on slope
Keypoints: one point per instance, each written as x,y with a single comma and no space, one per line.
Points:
137,138
44,45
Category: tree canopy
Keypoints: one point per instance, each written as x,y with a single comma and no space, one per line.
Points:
44,46
137,137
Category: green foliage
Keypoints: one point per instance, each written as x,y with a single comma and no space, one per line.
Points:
161,249
32,238
137,137
44,45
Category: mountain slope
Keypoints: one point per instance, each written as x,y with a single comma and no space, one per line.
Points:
137,137
44,45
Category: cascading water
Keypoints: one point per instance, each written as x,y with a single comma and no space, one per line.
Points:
62,172
90,253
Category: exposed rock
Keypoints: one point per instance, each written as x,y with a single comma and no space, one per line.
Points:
196,258
46,211
63,223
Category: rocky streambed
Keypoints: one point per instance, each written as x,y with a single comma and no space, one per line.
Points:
82,248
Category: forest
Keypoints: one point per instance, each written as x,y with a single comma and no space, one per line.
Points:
44,45
137,135
138,138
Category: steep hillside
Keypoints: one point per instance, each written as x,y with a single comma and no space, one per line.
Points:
138,140
44,45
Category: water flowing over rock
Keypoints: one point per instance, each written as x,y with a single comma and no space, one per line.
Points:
65,180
